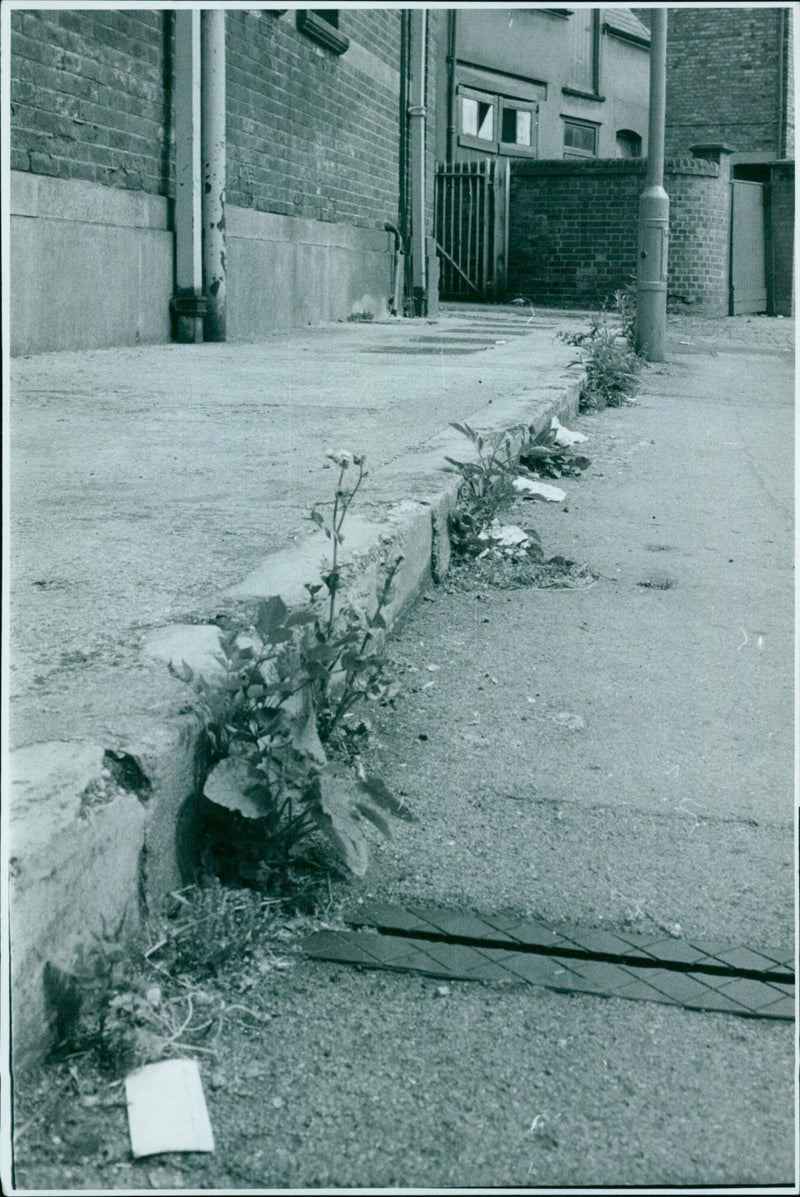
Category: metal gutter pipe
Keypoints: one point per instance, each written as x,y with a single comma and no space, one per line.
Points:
188,305
417,117
402,205
452,60
651,289
214,156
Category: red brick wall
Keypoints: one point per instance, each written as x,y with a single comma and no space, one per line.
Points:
722,77
88,96
573,231
311,133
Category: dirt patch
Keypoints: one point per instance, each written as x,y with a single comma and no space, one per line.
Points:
505,573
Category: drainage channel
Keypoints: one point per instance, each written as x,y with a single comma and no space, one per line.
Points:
454,945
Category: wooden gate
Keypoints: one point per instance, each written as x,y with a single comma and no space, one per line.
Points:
748,248
471,228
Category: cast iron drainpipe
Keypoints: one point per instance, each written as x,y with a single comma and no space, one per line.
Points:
214,154
417,115
399,268
188,305
452,123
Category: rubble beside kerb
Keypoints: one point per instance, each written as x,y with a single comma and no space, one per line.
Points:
97,828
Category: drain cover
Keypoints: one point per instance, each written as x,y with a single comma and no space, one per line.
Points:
656,968
422,350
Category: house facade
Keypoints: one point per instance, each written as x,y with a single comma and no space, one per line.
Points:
543,83
219,172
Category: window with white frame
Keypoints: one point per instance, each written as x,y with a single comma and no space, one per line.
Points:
478,113
518,127
580,139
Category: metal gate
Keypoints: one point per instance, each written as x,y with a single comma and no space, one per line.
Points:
748,248
471,228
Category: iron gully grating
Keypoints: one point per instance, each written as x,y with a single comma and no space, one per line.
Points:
454,945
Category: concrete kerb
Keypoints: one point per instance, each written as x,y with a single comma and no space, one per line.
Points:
95,828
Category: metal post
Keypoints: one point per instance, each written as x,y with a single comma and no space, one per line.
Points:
651,292
417,120
213,141
188,304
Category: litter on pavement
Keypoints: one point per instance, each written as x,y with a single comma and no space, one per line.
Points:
167,1109
565,436
539,490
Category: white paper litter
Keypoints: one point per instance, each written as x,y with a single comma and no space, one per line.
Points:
539,490
508,535
565,436
167,1109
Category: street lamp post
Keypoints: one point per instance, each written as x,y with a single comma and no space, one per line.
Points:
651,285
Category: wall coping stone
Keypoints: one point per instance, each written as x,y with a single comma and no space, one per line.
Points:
86,203
589,167
255,225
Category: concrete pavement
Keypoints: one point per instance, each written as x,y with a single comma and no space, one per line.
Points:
152,489
618,757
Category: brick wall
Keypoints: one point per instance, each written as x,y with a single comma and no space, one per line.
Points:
311,133
89,98
723,77
573,231
787,150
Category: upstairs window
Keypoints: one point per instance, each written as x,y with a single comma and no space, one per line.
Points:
497,124
517,126
580,139
322,25
477,116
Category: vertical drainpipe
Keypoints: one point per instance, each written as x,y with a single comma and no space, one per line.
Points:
188,304
417,120
452,60
213,153
402,206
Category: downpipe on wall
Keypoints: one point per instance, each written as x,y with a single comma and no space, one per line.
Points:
417,119
213,171
188,305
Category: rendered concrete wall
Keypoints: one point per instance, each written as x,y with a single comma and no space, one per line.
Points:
91,266
287,271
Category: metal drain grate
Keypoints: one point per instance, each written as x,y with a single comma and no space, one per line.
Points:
422,350
657,968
